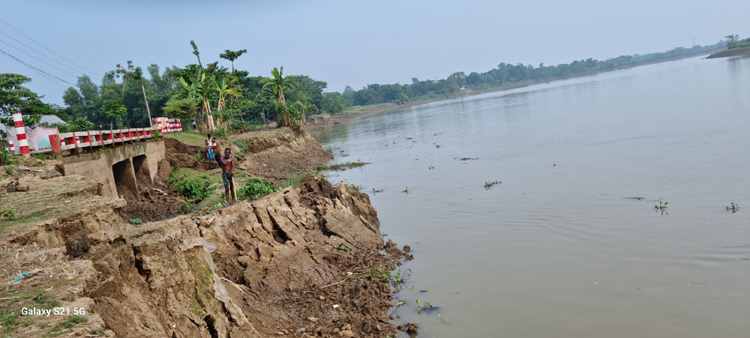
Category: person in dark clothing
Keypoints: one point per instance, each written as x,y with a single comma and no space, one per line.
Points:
227,175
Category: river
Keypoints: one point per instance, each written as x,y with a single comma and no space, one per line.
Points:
569,244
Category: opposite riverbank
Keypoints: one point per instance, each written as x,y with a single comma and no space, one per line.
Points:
344,117
730,52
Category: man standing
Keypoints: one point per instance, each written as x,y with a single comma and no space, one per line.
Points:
227,174
210,147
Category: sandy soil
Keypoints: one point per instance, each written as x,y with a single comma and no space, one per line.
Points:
302,262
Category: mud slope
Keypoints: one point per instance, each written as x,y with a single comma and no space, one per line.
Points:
279,158
286,264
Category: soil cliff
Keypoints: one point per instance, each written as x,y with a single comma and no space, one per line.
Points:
306,261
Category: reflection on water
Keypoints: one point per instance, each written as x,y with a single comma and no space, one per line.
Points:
562,247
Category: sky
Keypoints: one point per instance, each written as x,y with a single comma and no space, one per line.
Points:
352,42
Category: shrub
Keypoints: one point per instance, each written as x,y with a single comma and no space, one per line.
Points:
219,133
7,158
8,213
193,188
256,188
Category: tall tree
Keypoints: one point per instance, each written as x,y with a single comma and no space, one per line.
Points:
135,74
232,55
196,52
115,110
183,109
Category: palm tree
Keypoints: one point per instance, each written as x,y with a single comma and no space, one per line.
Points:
232,55
278,83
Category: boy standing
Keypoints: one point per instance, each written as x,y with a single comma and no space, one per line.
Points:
210,147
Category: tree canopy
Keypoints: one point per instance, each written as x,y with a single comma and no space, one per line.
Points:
216,95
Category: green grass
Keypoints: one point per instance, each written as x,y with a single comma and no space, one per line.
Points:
296,181
188,137
199,301
741,45
9,320
358,107
64,326
33,217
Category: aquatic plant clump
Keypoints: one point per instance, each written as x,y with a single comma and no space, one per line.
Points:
340,166
733,207
661,206
489,185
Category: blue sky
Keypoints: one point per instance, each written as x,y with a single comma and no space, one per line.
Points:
352,42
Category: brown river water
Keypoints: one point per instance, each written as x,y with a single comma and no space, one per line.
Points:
561,248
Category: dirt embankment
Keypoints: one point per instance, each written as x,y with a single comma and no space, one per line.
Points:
287,264
282,156
273,156
302,262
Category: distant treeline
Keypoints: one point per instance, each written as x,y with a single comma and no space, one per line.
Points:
504,74
230,99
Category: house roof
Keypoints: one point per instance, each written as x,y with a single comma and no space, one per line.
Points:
51,119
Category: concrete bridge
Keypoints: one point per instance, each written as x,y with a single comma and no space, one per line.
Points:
119,169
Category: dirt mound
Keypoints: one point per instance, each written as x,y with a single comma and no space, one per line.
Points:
181,155
155,200
283,157
153,204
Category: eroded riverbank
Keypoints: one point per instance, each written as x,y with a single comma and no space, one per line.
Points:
305,261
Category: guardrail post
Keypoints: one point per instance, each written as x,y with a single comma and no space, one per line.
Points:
23,144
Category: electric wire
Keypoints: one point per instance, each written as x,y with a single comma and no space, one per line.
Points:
40,71
36,58
51,51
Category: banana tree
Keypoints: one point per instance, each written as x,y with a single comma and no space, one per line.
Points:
307,106
222,89
201,87
278,84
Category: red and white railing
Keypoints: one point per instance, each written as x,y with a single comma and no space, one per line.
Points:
92,138
98,138
166,125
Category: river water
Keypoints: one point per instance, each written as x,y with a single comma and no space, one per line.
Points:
558,249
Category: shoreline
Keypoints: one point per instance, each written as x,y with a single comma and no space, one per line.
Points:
346,116
729,53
